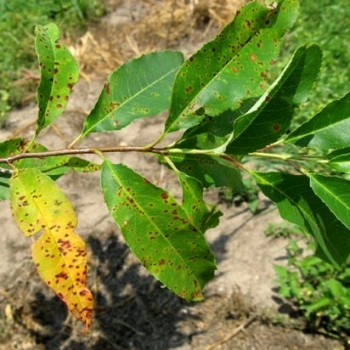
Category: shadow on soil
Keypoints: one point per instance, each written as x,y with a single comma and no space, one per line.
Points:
131,310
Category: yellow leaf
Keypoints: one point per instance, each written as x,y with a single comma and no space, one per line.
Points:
59,253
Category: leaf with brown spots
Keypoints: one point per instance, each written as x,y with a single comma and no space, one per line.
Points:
159,231
59,254
59,73
272,114
209,170
231,68
139,88
202,215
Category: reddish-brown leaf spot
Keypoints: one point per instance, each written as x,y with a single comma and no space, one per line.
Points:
165,196
108,88
252,57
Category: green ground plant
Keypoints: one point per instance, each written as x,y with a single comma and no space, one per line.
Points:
229,115
319,290
17,21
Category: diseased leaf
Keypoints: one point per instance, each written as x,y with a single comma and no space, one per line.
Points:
59,73
298,204
327,130
230,68
211,133
158,231
210,171
76,164
335,193
59,254
139,88
200,213
270,117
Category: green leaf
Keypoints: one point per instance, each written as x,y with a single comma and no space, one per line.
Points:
326,130
9,147
336,288
338,152
298,204
76,164
59,73
4,186
211,133
210,171
317,305
270,117
139,88
341,163
158,231
200,213
335,193
230,68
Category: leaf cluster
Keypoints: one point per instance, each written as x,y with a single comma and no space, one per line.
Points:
232,121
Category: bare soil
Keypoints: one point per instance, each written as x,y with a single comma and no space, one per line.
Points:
133,311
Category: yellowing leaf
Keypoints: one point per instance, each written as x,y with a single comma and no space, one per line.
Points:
59,254
60,257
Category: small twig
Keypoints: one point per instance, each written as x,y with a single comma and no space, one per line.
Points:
64,152
233,333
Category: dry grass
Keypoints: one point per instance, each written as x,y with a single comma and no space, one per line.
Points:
136,27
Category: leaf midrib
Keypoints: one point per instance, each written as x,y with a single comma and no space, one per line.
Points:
157,227
123,104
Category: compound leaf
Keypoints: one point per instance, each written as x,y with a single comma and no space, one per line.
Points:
158,231
230,68
328,129
59,254
298,204
139,88
59,73
270,117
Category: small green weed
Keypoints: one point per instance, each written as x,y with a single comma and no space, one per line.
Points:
320,291
282,229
